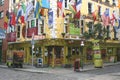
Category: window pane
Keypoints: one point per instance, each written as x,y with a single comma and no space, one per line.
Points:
33,23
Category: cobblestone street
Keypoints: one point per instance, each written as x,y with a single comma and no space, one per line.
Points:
106,73
7,74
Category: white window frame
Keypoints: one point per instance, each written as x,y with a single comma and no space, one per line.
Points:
1,14
41,24
19,31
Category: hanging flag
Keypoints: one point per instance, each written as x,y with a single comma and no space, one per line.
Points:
19,13
29,7
7,14
106,18
13,20
72,6
113,18
37,10
22,19
6,19
119,3
77,15
46,4
5,22
94,14
23,7
5,25
59,4
119,23
78,7
50,18
42,10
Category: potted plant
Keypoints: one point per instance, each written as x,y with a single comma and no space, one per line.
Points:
63,34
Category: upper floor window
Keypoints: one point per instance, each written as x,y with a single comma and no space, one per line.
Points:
14,1
18,31
99,10
89,8
32,23
1,14
1,2
114,3
82,26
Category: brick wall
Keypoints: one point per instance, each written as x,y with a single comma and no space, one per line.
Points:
4,8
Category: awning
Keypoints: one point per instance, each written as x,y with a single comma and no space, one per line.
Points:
2,34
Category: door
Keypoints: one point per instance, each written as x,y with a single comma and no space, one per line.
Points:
118,54
58,51
0,53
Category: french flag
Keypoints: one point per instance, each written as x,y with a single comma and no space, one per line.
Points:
60,5
78,6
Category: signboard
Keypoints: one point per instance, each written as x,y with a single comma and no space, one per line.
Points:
2,34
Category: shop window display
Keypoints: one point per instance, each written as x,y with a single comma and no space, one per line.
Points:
103,53
89,54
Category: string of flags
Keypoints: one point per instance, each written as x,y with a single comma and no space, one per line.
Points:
21,13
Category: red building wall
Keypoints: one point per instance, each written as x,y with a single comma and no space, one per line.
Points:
4,8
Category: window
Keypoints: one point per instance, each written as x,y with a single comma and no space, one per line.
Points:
108,31
99,10
1,14
89,8
1,2
36,22
18,31
66,28
66,3
32,23
77,24
89,54
82,26
33,1
28,24
14,1
114,3
90,27
75,51
40,26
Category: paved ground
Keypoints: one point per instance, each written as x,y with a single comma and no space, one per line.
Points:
110,71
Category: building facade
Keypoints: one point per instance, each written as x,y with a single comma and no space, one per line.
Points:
4,7
58,36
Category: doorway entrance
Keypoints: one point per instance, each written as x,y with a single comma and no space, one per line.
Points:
118,54
55,55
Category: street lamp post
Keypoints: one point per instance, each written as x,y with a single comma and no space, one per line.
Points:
32,42
82,45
